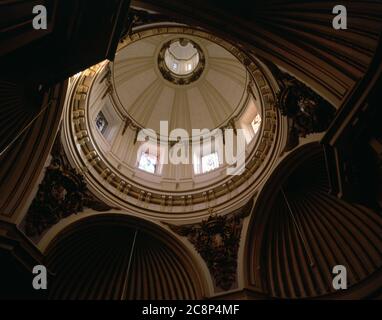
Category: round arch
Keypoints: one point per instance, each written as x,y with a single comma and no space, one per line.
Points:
299,232
116,256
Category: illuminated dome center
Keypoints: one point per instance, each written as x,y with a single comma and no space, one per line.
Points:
181,57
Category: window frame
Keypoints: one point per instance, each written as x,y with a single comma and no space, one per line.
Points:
214,154
156,165
100,115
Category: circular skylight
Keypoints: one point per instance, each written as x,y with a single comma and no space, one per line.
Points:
181,57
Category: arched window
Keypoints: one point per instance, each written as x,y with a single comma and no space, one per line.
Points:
148,162
210,162
256,123
101,123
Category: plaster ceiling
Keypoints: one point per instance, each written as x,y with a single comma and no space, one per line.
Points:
149,98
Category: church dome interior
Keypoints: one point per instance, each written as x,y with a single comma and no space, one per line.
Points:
191,150
147,119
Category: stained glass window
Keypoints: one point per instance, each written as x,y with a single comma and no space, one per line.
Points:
101,123
210,162
147,162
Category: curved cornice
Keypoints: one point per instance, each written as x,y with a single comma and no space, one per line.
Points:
226,194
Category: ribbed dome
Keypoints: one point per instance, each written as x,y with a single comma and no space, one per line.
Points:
298,246
148,97
112,102
92,262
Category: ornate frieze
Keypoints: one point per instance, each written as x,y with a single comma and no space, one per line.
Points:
217,240
307,111
62,192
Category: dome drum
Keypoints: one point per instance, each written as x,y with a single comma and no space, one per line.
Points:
105,95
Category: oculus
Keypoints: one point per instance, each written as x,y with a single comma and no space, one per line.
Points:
181,61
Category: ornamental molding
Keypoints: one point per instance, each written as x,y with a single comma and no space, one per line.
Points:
217,240
180,80
307,112
126,191
62,192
